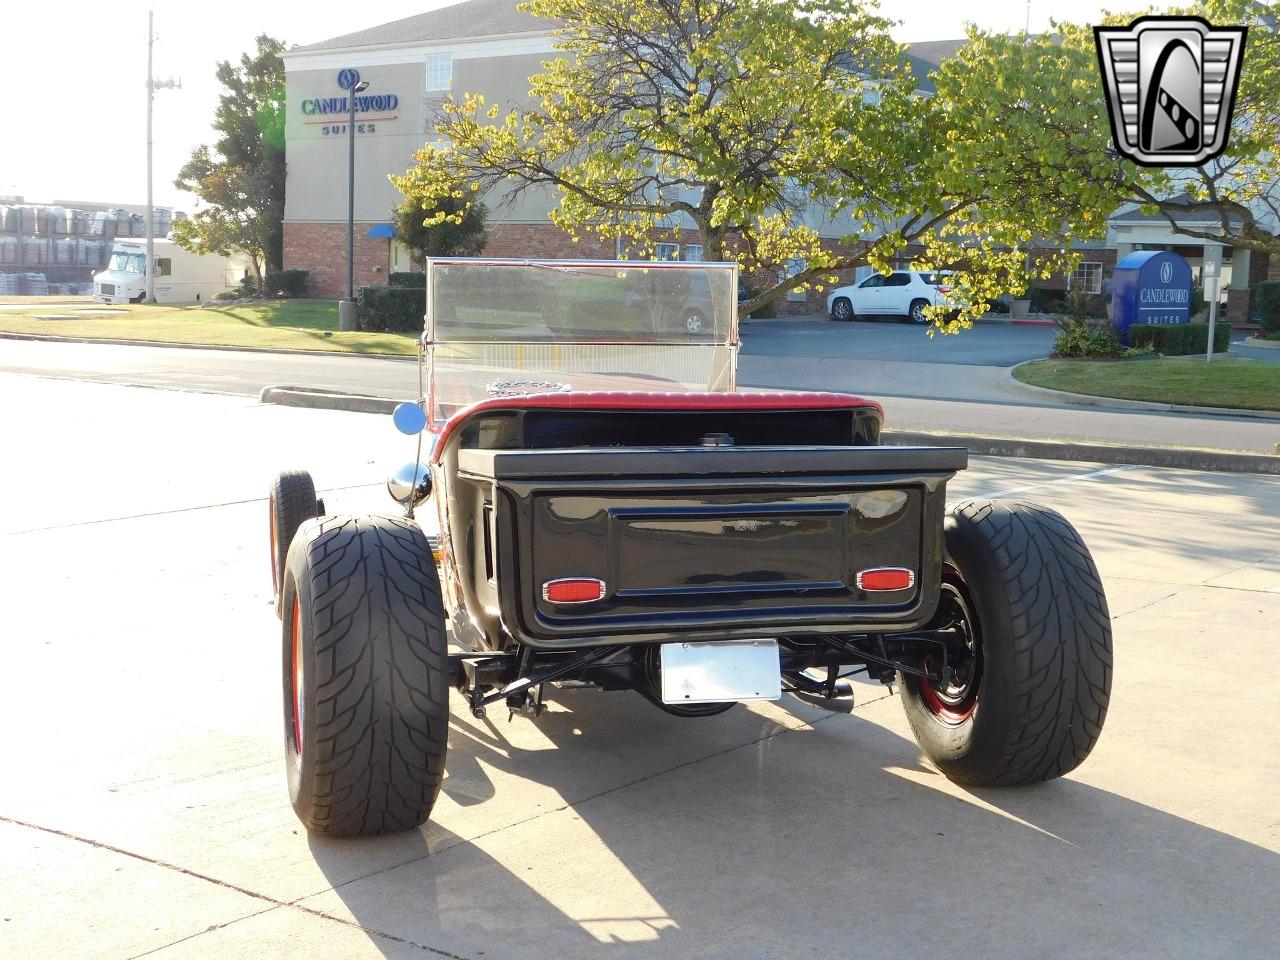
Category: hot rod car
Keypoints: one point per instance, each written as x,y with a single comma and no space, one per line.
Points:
601,506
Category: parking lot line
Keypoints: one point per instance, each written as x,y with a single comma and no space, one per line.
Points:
1074,478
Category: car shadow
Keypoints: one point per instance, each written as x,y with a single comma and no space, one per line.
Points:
609,827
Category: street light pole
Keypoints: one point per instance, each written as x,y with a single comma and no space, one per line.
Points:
347,316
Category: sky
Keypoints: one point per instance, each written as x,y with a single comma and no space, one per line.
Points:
76,72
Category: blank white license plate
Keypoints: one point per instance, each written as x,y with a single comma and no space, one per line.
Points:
720,671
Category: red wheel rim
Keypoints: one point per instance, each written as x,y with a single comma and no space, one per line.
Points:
952,714
271,520
297,677
956,702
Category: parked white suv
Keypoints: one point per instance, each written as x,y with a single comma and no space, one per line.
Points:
903,293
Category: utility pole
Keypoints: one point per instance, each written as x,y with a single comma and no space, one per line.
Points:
169,84
149,264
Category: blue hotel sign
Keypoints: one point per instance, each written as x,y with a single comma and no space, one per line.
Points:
1151,286
370,110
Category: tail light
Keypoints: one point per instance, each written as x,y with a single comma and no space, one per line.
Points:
943,288
573,590
882,579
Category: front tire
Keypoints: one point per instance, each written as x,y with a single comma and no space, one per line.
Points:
366,692
694,322
842,309
1030,703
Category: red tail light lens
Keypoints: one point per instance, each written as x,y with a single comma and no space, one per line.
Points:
943,289
886,578
573,590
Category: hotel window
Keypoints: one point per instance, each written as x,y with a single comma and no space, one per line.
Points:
439,71
1087,276
693,252
793,267
666,251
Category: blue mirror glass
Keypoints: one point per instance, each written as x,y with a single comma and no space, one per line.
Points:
410,419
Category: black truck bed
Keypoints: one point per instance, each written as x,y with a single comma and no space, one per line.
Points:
708,542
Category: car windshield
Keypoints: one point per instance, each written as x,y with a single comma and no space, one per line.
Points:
124,262
499,328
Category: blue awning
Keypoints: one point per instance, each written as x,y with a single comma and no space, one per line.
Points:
382,230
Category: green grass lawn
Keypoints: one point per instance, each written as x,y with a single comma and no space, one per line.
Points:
274,324
1226,382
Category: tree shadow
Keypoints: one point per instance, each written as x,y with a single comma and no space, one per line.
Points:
611,827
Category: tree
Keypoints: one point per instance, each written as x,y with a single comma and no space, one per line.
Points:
1239,192
241,177
756,121
457,228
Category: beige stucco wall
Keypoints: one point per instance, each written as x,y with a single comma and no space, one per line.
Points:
316,177
316,173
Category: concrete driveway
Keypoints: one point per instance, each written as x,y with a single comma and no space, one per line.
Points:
143,809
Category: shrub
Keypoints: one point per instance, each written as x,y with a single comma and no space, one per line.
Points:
1179,339
1046,301
1138,353
1269,306
403,278
391,309
1077,339
286,283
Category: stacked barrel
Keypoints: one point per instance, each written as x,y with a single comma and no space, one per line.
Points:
57,250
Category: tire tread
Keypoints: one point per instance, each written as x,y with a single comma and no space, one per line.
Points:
380,665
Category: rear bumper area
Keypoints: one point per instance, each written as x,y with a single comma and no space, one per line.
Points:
710,543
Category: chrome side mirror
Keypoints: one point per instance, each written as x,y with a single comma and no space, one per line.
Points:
410,484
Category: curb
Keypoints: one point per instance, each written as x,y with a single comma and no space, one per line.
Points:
316,399
1264,344
1181,457
48,338
1032,392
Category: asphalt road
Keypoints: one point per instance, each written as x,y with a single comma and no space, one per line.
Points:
143,810
925,383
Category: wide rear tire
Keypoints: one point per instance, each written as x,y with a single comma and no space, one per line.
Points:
291,500
366,693
1038,690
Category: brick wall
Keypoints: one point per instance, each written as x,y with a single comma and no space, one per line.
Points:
321,250
543,240
1241,304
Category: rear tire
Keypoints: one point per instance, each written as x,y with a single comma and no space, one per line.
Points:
290,501
842,309
366,676
1042,632
915,313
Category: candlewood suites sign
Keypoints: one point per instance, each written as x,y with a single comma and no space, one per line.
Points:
331,113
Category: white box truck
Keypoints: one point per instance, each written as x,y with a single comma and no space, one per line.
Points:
180,276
